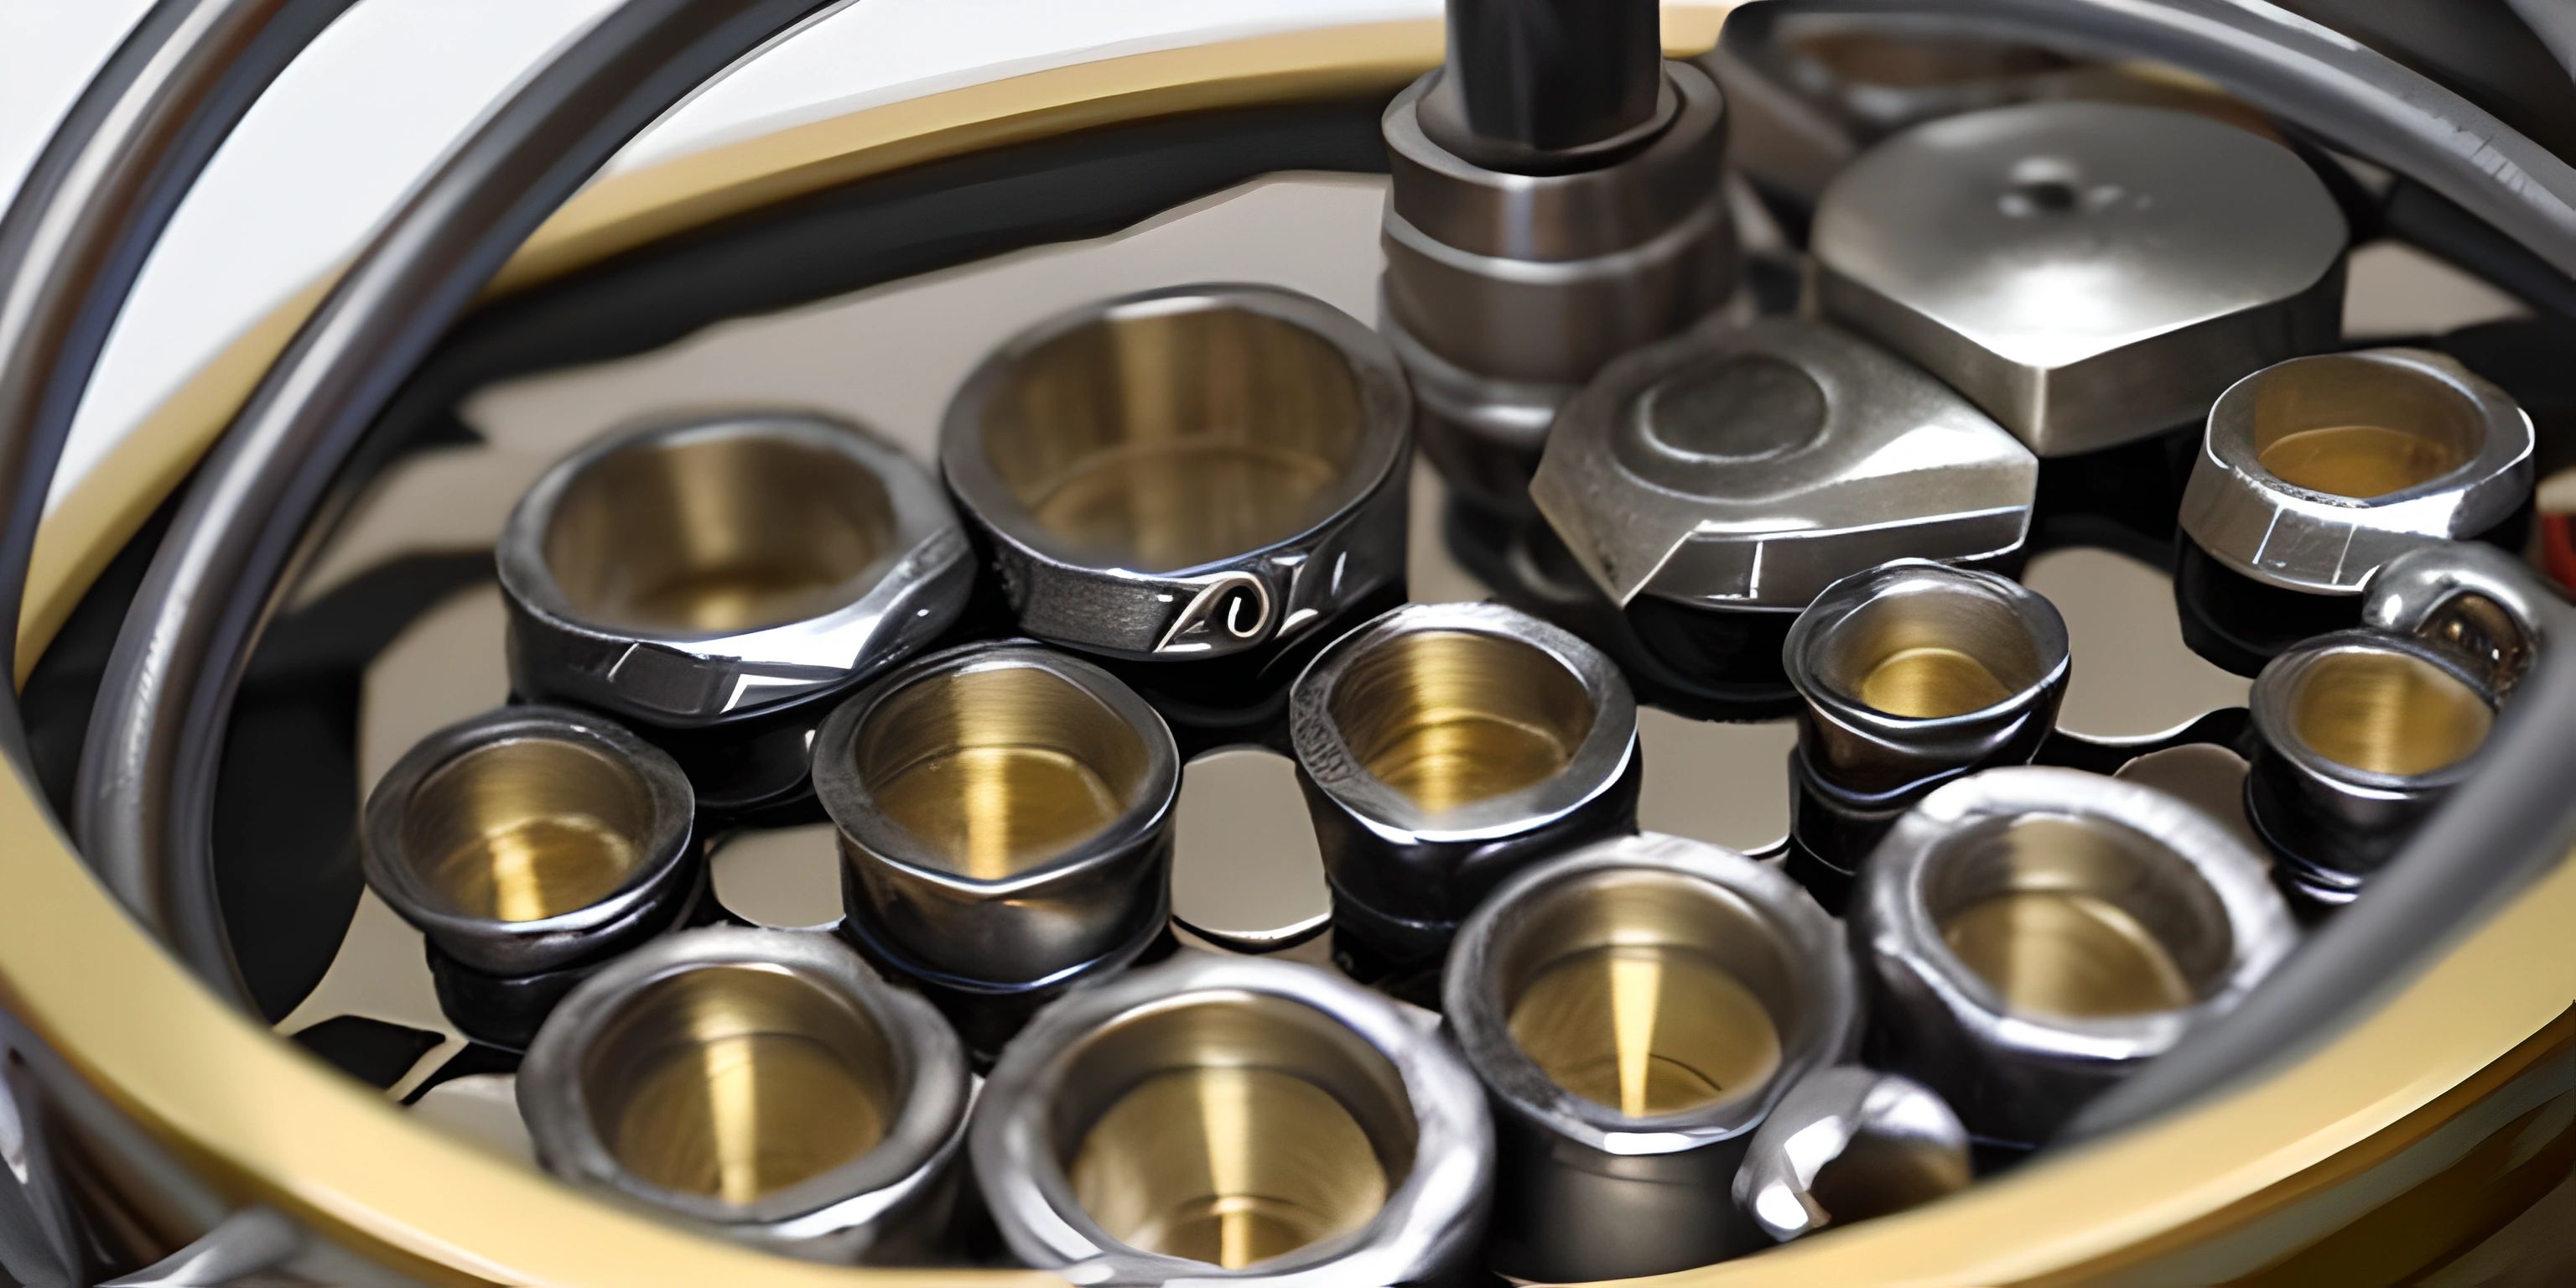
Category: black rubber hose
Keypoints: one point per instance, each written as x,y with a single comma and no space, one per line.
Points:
144,799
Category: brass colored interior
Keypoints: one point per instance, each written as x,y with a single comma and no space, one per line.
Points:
1450,718
997,769
738,1081
1880,1173
2352,427
1163,439
1930,651
713,534
526,829
2387,712
1232,1130
2073,917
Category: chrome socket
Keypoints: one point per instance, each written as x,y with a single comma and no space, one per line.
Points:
1635,1009
1259,1120
1184,473
1848,1144
1751,468
1442,747
762,1085
2088,273
716,582
2032,935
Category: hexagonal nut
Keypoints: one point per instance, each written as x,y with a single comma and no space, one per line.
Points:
2316,472
2089,273
1847,1144
1751,468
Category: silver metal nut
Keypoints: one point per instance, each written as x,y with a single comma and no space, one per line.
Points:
2317,471
1753,467
1847,1144
2089,273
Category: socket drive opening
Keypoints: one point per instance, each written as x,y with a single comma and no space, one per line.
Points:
1231,1129
526,828
1648,993
716,530
2350,427
2387,712
1164,437
2075,917
999,768
736,1081
1928,649
1449,718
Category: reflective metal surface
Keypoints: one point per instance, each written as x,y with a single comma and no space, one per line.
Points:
1251,877
2480,606
1847,1144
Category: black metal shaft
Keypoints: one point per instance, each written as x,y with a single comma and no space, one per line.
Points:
1554,75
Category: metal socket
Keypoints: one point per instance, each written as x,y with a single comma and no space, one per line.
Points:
1848,1144
1750,468
1443,747
1187,472
2089,273
1634,1010
2032,935
2487,610
764,1085
2315,472
531,838
1270,1122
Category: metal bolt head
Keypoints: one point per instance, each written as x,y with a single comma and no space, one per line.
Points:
1847,1144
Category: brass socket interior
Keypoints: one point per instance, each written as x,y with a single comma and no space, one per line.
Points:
2355,428
1931,651
526,828
716,532
2387,712
1449,718
736,1081
1230,1129
2077,917
1162,438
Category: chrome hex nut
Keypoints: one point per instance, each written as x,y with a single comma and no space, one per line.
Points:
2089,273
2316,471
1847,1144
1751,468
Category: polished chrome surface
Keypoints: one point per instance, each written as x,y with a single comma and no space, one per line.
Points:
1184,472
2316,471
1752,467
528,838
1218,1114
1247,872
2089,273
2480,606
1847,1144
1635,1008
763,1084
2033,934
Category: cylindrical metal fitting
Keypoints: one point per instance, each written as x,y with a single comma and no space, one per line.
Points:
762,1084
531,838
1634,1009
2032,935
1546,86
2358,737
1005,825
2488,610
1847,1144
1442,747
1260,1120
715,580
1186,472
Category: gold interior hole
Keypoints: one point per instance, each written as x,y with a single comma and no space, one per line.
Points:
1931,651
2387,712
736,1082
1450,718
527,829
716,533
2354,427
1879,1173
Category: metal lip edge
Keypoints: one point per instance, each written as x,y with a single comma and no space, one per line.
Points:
1844,1103
520,947
1444,1192
1600,760
2269,704
1849,594
924,1129
1475,1014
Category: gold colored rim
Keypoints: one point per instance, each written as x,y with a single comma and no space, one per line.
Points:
264,1122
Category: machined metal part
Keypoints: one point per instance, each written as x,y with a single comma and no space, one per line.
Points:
1267,1121
2318,470
2088,273
531,838
1443,747
2032,935
2485,608
1634,1009
1847,1144
1184,473
762,1084
1751,467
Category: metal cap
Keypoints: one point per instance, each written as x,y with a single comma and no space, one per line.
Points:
1847,1144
